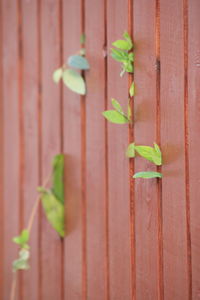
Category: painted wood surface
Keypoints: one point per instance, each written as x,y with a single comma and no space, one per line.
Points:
126,240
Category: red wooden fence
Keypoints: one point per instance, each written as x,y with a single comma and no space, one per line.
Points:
125,240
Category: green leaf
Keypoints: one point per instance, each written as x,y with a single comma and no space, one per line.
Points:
22,239
22,262
121,44
57,75
147,175
82,38
145,151
132,89
128,38
58,174
119,55
115,117
128,67
157,156
116,105
130,152
54,211
78,62
74,81
131,56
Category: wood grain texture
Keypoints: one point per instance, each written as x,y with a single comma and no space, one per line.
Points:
95,152
72,150
119,226
145,134
51,248
11,142
193,139
173,145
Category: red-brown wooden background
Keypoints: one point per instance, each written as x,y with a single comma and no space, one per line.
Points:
125,240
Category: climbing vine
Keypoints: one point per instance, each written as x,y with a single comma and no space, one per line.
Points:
52,200
123,53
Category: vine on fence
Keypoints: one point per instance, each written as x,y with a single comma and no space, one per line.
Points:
123,53
53,204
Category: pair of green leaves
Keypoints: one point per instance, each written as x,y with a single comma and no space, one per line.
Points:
152,154
117,115
53,199
71,78
123,54
21,263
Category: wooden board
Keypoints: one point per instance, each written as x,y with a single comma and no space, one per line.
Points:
51,245
12,205
193,123
72,149
96,198
29,48
173,146
146,191
118,178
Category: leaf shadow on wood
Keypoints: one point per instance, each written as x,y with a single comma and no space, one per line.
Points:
72,194
171,153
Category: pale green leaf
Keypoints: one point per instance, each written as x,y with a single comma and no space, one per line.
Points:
132,89
57,75
22,262
147,175
54,211
116,105
57,177
121,44
78,62
130,152
115,117
82,51
74,81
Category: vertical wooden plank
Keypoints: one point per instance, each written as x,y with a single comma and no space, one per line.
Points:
193,131
172,141
11,133
51,252
146,205
72,149
1,157
95,151
30,286
119,228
